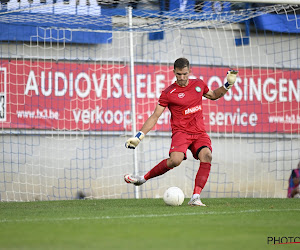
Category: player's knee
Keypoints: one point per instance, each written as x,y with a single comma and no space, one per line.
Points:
208,157
174,161
205,156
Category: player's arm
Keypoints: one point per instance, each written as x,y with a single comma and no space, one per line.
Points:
215,94
152,120
148,125
219,92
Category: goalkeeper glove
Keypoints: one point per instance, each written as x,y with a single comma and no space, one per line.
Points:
231,77
134,141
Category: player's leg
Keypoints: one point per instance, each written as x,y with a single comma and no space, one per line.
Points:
177,154
295,192
202,175
164,166
201,150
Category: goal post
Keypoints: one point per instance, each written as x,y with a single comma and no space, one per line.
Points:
78,79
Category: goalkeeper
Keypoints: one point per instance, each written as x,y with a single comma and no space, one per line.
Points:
184,100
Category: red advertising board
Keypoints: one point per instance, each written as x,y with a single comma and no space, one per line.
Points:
89,96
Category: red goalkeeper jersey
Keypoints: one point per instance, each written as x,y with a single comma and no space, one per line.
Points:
185,105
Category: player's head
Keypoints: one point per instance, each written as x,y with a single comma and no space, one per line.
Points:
181,63
182,71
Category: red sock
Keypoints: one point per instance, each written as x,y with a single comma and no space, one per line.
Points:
159,169
201,177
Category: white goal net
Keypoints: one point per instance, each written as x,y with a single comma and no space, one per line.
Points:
68,70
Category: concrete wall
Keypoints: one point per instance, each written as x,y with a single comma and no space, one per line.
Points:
58,167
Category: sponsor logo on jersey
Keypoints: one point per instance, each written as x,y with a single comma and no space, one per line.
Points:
181,95
192,110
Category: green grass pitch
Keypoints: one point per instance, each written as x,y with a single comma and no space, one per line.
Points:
228,223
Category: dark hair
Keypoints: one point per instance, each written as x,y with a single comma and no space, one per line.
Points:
181,62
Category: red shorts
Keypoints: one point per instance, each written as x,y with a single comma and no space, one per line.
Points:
182,141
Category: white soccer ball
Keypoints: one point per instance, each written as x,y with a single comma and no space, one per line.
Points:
173,196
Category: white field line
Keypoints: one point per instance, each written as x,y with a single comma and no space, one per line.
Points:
145,215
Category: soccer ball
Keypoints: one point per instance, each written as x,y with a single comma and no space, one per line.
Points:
173,196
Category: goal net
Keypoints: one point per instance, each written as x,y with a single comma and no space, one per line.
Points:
78,78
